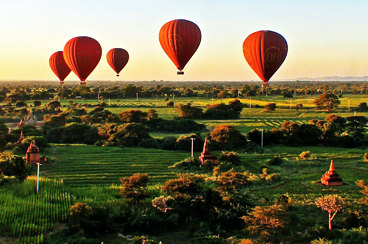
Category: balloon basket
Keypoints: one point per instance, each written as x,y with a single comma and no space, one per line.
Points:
82,83
180,72
117,75
61,82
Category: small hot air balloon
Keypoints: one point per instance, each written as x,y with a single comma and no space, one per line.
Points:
58,66
265,51
82,55
180,40
117,59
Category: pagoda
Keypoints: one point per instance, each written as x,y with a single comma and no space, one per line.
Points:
206,155
331,178
33,154
31,119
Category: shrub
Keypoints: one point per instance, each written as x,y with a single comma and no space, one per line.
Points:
321,241
231,157
273,177
186,164
168,143
270,106
305,155
170,104
366,157
275,161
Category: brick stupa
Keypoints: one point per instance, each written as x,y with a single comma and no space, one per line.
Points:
331,178
206,155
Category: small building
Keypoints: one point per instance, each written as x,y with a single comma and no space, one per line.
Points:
206,155
331,178
33,153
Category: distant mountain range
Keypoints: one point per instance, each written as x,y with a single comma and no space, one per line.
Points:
335,78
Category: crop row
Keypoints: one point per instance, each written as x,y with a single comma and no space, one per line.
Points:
29,216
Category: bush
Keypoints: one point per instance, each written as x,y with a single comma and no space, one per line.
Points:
275,161
366,157
231,157
305,155
168,143
270,106
149,143
273,177
186,164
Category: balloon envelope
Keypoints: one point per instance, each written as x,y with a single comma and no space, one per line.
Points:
180,40
265,51
82,55
58,65
117,58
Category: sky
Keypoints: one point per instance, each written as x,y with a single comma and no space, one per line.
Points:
325,37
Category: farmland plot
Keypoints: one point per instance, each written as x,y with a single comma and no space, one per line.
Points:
82,165
28,216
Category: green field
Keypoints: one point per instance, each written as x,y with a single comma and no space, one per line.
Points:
26,217
89,173
82,165
90,166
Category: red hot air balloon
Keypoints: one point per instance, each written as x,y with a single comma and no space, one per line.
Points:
82,55
117,59
180,39
265,51
58,66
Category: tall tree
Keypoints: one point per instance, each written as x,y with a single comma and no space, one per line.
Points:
327,101
134,188
332,204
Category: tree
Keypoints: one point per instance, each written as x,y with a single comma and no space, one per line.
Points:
231,157
53,104
132,115
331,204
37,103
188,111
266,220
152,114
362,184
134,188
20,103
129,134
327,101
298,106
227,137
79,216
236,105
229,183
270,106
222,94
11,165
363,106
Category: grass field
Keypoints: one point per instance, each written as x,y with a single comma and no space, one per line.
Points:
82,165
91,166
26,217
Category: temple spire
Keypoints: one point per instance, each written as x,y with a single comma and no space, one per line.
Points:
332,168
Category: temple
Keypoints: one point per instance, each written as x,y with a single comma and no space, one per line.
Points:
33,153
331,178
31,119
206,155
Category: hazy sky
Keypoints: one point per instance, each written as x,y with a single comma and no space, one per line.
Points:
325,37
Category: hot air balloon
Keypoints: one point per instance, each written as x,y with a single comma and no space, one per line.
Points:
58,66
180,39
117,59
82,55
265,51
